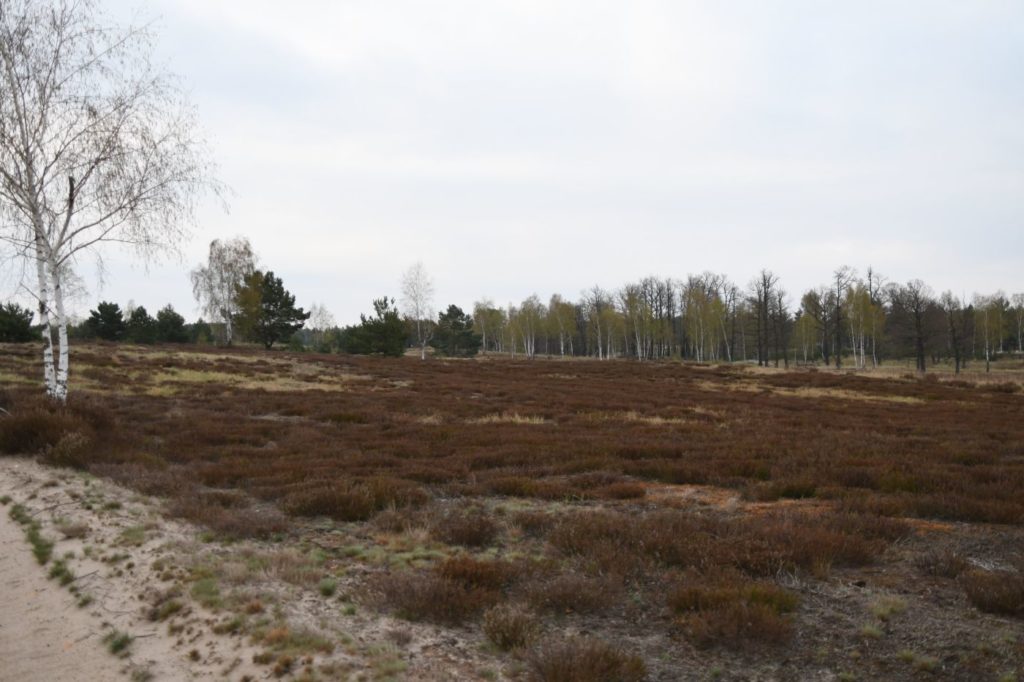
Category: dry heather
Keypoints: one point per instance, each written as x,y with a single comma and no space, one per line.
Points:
698,518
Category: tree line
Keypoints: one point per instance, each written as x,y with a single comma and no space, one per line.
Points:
851,320
854,320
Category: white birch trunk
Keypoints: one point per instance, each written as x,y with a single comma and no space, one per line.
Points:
49,372
61,382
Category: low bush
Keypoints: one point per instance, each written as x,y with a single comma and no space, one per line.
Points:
510,627
572,592
1000,592
584,659
475,573
941,563
432,597
472,528
233,522
354,500
733,612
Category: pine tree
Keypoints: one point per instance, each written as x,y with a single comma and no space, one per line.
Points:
454,335
276,317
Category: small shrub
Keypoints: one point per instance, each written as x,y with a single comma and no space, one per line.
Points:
732,612
942,563
30,431
580,659
355,501
474,573
233,521
510,627
998,592
117,642
328,586
465,529
60,572
534,524
431,597
571,592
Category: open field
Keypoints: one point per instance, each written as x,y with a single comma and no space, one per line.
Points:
556,520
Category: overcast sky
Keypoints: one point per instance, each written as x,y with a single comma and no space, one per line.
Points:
522,147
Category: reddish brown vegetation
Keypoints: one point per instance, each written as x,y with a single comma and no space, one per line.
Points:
819,481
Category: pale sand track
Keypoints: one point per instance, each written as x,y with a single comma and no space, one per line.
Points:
43,635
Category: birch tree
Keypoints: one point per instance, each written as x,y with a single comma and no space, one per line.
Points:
417,304
217,284
96,146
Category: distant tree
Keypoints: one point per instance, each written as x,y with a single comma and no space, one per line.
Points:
958,325
763,290
910,304
417,304
382,334
454,335
989,323
841,281
321,322
170,326
216,284
16,324
248,305
200,332
140,327
278,318
107,322
1018,313
814,306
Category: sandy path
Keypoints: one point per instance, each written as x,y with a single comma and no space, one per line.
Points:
43,635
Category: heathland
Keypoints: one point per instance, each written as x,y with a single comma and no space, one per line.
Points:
342,517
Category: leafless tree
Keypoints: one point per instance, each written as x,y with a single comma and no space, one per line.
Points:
841,281
96,146
417,304
216,284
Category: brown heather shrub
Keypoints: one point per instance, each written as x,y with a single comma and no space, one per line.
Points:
473,528
150,480
431,597
737,624
33,430
70,435
354,500
477,573
340,504
623,490
584,659
534,524
510,627
571,592
232,522
732,611
1000,592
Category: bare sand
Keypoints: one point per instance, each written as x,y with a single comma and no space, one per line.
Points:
43,634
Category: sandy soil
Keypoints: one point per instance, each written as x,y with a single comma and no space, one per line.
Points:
43,635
